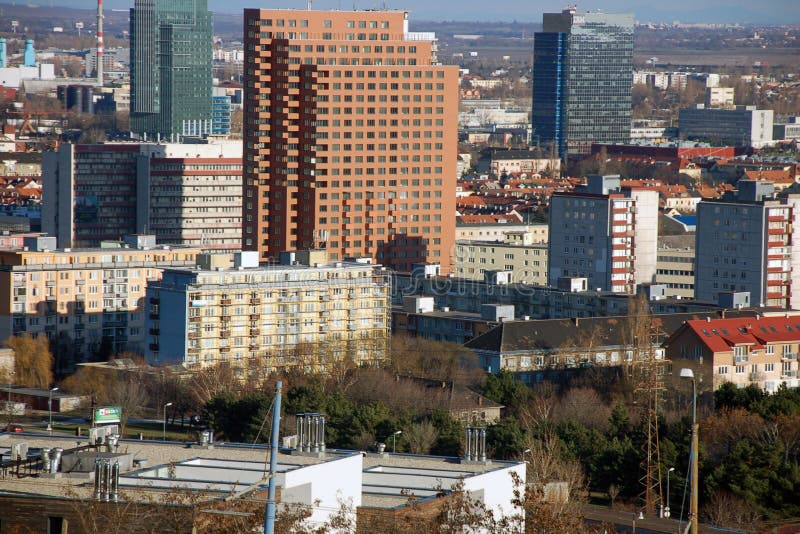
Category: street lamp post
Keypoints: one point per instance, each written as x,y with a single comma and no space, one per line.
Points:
693,521
666,508
8,406
394,440
50,409
164,436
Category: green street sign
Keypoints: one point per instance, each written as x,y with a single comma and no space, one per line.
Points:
108,414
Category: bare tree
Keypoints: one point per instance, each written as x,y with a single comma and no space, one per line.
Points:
727,510
421,437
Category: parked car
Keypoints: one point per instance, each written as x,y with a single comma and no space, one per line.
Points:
14,428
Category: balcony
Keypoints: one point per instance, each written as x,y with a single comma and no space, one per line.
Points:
789,374
757,376
225,302
788,356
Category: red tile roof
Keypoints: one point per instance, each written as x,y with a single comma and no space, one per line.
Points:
720,335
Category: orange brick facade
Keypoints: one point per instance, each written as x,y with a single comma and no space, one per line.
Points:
350,134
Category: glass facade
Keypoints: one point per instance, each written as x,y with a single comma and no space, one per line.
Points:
171,78
221,110
550,88
583,75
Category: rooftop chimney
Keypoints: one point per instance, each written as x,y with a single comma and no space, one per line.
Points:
100,43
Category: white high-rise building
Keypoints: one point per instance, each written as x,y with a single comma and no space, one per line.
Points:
604,233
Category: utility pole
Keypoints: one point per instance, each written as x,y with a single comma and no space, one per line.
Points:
648,373
269,516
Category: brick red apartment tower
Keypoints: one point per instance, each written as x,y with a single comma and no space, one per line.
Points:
350,137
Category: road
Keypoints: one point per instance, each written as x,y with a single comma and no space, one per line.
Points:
627,522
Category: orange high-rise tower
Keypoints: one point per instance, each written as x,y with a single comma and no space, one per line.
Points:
350,137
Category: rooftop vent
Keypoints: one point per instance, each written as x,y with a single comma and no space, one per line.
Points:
310,433
475,450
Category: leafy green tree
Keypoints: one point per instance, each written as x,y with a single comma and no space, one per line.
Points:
504,388
451,434
505,439
619,423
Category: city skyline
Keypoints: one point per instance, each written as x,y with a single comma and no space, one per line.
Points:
708,11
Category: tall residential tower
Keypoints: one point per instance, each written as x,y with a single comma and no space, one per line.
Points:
171,44
582,79
605,233
749,243
350,137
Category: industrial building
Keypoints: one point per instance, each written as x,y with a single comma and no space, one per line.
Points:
54,484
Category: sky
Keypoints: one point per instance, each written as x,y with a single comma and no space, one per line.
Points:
723,11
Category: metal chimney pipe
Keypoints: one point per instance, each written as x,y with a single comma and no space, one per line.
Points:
107,479
307,447
55,459
468,448
45,454
315,445
322,434
98,468
299,419
483,445
114,490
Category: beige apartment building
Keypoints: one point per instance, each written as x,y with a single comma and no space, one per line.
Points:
520,253
675,269
305,313
83,298
497,232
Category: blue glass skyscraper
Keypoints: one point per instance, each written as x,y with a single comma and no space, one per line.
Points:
582,79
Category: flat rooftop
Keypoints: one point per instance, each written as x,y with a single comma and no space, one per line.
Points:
388,480
224,468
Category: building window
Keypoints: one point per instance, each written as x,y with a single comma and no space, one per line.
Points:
722,370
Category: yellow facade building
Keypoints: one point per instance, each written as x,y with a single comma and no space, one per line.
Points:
305,314
85,299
